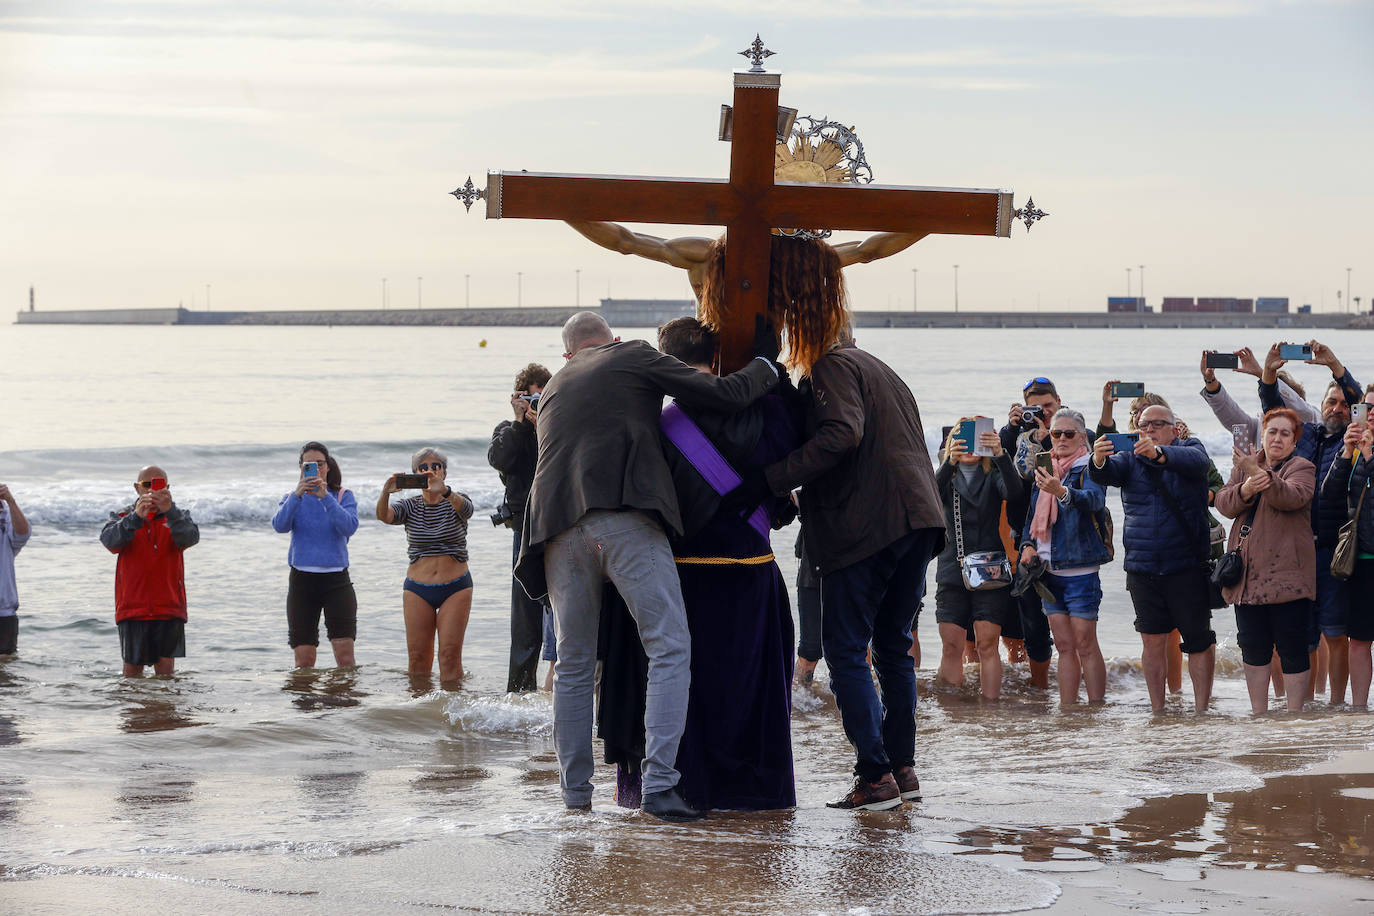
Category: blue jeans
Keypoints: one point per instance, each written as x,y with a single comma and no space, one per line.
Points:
874,601
629,548
1330,613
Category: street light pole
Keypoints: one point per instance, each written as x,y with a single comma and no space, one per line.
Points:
956,287
1142,287
913,289
1128,283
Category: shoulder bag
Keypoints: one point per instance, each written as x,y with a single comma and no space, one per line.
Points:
983,570
1230,569
1347,543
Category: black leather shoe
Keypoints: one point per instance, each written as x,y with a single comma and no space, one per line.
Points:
669,806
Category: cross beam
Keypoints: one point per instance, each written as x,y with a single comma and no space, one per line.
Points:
749,205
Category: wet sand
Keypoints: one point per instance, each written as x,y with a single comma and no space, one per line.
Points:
1297,844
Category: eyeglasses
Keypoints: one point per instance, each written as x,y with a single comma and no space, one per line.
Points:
1154,424
1038,380
143,484
1064,433
436,466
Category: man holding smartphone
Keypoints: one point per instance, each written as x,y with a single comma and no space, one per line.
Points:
1320,443
1163,481
150,588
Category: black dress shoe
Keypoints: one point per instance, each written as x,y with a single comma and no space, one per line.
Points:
669,806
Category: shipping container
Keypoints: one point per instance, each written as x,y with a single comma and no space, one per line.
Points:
1125,304
1177,304
1242,305
1304,310
1271,305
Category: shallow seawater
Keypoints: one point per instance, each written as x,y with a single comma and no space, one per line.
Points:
240,785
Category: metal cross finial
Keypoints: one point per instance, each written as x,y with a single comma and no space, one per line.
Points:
468,194
756,53
1029,213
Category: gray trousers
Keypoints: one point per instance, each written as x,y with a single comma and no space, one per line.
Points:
630,549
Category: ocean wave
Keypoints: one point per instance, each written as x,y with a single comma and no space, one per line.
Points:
522,714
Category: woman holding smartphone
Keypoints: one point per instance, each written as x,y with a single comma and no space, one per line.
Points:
1063,531
321,516
437,595
1350,479
1270,494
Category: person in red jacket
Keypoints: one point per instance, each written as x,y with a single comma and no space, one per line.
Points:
150,584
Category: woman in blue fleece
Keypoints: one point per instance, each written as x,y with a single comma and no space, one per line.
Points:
321,516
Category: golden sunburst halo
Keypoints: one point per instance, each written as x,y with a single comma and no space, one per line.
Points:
814,163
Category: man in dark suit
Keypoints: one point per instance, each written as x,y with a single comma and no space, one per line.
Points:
872,521
601,501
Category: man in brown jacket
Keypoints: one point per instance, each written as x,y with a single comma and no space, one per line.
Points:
872,521
598,509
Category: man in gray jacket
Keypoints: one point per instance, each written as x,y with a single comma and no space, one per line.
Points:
600,503
872,521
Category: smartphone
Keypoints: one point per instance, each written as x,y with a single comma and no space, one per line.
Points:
157,483
944,434
1240,437
412,481
1123,442
1359,413
1045,462
1128,390
1223,361
311,469
1295,351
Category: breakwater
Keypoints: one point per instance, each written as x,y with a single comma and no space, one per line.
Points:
650,317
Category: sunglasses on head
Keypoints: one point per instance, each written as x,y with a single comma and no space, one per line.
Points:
1064,433
436,466
1038,380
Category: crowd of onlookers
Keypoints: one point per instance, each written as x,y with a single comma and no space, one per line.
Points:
1026,530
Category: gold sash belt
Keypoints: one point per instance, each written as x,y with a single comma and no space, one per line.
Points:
724,561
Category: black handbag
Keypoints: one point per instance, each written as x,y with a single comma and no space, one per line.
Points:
1230,569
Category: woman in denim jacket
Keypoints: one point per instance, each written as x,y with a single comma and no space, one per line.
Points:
1063,531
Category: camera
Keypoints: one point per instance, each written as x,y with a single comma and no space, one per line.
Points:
531,399
503,514
1029,415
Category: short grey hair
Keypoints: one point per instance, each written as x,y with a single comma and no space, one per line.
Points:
428,451
584,329
1173,420
1073,415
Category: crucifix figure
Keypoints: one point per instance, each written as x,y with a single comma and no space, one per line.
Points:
732,280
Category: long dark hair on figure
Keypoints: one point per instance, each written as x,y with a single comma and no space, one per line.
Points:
806,296
333,477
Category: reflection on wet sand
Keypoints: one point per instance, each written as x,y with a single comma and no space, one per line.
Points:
316,689
156,785
1307,821
331,794
155,714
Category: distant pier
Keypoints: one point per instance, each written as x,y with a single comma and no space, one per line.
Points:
640,313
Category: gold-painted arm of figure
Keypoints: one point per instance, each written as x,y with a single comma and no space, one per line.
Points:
686,253
882,245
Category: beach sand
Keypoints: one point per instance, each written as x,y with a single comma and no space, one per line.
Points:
1298,844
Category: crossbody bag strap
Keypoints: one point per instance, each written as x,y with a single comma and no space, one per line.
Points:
1249,519
958,525
1157,478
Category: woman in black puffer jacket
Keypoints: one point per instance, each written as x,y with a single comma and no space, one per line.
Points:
1350,479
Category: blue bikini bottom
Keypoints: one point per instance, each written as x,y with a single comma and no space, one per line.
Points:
435,595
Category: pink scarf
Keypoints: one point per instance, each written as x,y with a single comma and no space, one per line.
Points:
1047,507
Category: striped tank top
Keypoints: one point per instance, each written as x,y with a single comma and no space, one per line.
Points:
434,531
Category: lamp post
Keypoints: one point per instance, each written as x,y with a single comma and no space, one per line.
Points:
577,288
519,283
913,289
1128,283
956,287
1142,287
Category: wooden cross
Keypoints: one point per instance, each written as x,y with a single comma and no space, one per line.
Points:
749,204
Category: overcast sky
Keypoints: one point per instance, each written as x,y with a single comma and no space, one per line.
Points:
295,153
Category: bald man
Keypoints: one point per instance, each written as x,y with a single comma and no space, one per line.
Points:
150,588
599,507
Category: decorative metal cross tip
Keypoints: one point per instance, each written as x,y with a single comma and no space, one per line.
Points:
757,53
469,194
1029,213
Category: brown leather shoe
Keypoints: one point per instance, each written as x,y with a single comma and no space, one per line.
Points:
907,783
870,796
